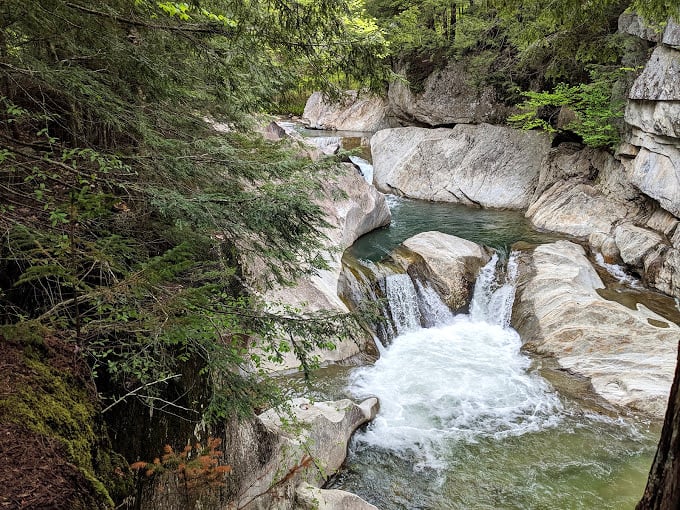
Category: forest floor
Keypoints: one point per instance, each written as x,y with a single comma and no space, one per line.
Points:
36,472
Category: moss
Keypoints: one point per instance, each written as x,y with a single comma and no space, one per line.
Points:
28,332
54,403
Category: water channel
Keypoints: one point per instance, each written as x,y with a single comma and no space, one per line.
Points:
470,421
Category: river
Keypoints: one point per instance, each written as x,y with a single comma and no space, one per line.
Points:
468,420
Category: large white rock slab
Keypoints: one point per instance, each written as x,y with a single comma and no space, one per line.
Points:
311,446
309,497
660,118
628,355
353,112
485,165
578,209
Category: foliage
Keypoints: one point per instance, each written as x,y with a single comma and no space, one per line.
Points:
656,11
196,466
536,46
598,113
129,224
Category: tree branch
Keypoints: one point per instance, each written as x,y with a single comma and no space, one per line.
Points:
136,390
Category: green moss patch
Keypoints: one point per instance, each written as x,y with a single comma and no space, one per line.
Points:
51,427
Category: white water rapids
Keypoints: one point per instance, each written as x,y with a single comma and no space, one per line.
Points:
460,380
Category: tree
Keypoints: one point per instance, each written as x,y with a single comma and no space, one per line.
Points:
663,487
127,221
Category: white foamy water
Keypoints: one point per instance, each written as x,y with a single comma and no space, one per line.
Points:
462,380
433,310
365,167
617,272
403,302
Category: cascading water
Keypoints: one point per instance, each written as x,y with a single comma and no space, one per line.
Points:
433,310
460,380
461,406
494,292
364,166
466,401
403,302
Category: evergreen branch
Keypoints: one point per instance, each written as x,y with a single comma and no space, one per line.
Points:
210,29
138,389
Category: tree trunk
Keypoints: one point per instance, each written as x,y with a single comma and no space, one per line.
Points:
663,486
452,21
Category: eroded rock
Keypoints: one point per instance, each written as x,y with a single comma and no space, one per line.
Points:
354,112
628,355
312,446
449,96
634,243
578,209
309,497
447,262
485,165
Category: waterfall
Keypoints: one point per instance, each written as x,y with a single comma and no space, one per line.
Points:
462,379
403,302
494,291
364,166
433,310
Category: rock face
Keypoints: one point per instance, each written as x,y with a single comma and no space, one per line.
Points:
628,205
653,112
312,446
270,456
583,191
628,355
354,112
312,498
632,24
483,165
449,97
361,210
447,262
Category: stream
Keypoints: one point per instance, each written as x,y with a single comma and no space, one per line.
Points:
467,419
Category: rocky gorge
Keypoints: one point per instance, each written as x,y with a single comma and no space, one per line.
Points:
621,207
624,207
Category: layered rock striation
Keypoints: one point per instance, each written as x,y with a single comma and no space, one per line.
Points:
483,165
627,354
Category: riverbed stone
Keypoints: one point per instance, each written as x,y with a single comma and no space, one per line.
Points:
311,445
482,165
309,497
449,263
634,243
352,112
578,209
628,355
605,244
